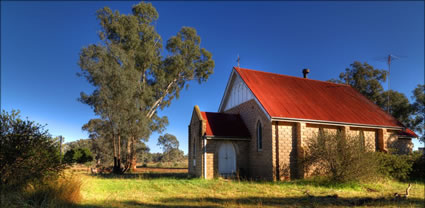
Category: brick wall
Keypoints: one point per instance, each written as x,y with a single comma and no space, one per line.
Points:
261,163
285,136
196,129
398,145
370,136
283,145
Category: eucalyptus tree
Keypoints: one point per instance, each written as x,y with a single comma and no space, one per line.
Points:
365,79
101,143
419,109
368,81
132,78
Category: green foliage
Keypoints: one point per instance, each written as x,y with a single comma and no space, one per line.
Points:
365,79
174,155
368,81
132,79
27,153
418,123
339,157
418,167
394,165
170,147
400,107
78,155
401,167
168,142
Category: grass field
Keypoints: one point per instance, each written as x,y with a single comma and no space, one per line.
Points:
173,188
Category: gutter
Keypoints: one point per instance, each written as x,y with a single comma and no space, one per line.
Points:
334,123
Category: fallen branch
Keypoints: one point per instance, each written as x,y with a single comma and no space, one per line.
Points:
403,196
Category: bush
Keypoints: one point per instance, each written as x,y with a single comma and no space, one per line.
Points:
339,157
27,153
393,165
401,167
418,167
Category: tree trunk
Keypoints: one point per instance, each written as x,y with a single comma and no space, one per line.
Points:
133,155
115,169
129,154
119,154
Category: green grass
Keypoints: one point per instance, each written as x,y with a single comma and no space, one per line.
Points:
178,190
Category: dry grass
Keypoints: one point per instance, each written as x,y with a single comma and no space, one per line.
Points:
60,192
64,190
178,190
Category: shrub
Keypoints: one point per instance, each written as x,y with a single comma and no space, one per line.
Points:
401,167
27,153
418,167
339,157
393,165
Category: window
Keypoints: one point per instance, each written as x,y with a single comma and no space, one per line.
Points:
194,151
259,136
194,148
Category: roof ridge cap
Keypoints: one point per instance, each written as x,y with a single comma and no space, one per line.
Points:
272,73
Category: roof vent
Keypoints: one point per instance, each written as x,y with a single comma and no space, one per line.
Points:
305,72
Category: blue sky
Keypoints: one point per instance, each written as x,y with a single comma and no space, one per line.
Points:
41,41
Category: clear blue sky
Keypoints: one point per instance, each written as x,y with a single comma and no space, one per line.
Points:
40,44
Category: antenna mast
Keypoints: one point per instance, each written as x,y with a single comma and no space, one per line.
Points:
388,94
238,60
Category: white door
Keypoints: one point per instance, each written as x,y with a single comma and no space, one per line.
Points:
226,159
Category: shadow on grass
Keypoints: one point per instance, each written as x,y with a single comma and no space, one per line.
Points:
145,175
317,201
324,183
165,168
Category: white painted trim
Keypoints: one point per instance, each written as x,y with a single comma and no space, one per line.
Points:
226,94
228,138
334,123
262,108
205,157
226,90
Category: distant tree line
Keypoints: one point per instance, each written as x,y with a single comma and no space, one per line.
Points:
99,151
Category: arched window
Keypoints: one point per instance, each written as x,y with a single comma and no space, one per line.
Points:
194,147
259,136
194,151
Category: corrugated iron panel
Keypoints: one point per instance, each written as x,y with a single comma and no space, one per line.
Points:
293,97
225,125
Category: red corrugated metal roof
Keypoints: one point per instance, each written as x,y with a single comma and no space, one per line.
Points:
408,133
300,98
225,125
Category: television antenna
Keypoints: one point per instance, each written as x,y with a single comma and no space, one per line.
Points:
238,60
390,58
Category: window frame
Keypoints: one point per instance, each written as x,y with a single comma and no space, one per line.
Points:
259,131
